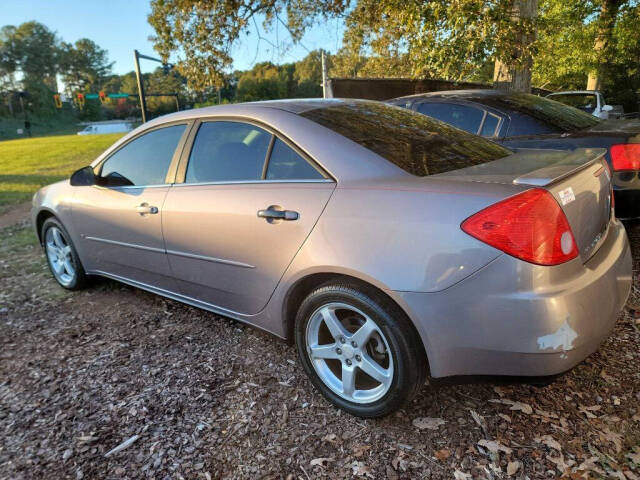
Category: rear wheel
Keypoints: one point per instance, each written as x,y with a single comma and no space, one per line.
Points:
62,257
359,350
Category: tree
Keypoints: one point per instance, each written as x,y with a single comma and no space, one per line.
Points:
201,32
84,66
602,46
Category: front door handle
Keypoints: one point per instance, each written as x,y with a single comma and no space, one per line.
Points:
146,209
275,212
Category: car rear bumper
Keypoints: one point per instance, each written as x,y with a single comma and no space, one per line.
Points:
516,318
626,191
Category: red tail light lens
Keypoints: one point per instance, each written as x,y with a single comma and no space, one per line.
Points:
625,156
530,226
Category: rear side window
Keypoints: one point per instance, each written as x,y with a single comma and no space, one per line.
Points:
227,151
143,161
489,126
464,117
414,142
286,164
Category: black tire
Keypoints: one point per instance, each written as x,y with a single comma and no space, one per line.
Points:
409,359
80,279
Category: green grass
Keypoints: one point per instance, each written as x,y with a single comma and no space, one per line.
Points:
30,163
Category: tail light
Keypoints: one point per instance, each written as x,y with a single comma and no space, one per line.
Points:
530,226
625,156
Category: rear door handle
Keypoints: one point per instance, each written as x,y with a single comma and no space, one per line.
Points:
146,209
274,212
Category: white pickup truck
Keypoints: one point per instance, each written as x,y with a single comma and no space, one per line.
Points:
590,101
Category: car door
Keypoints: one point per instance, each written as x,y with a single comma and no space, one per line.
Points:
247,201
119,220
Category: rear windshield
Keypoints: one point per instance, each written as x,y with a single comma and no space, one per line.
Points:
587,102
418,144
556,114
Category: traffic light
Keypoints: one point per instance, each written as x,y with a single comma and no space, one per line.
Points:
57,101
81,100
103,97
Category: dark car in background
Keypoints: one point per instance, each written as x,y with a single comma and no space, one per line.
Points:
519,120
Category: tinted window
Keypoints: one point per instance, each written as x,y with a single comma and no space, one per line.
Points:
414,142
145,160
227,151
555,116
489,125
286,164
587,102
463,117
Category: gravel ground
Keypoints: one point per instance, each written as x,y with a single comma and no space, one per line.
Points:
200,396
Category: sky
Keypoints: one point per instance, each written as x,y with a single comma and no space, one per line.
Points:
120,26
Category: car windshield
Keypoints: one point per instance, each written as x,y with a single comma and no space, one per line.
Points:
418,144
556,114
587,102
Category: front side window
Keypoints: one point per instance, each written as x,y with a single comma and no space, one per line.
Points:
227,151
464,117
416,143
143,161
286,164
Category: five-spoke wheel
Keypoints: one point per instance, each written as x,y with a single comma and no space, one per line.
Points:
62,258
349,352
359,349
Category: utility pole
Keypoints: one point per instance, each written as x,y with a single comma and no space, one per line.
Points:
143,103
324,75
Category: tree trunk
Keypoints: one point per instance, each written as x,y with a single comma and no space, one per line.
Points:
606,21
515,75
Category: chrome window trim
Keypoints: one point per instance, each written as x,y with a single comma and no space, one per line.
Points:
132,187
253,182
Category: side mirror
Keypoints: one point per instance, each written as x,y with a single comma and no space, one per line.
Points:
607,108
83,178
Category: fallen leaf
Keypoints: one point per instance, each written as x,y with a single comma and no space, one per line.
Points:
549,441
360,450
331,438
458,475
613,437
443,454
512,468
321,461
634,457
587,410
523,407
361,470
630,475
427,422
505,417
545,414
494,446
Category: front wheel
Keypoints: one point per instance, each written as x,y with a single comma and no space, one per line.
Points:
359,350
62,257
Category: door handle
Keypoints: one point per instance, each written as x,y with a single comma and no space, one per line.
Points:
274,212
145,209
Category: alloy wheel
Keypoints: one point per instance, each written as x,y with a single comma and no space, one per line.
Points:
349,352
60,256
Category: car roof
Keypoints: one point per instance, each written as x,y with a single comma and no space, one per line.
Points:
464,94
295,106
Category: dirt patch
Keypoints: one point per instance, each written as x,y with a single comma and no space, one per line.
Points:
15,214
200,396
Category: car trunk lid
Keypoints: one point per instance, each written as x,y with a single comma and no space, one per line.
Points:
579,180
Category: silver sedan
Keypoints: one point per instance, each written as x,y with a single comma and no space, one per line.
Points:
386,245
